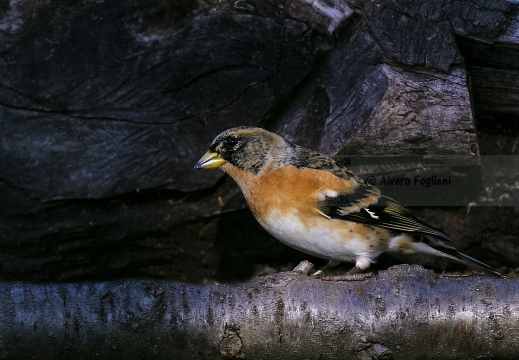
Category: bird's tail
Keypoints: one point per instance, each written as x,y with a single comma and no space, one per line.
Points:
470,261
444,249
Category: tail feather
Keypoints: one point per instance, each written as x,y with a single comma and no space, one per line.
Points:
471,262
450,252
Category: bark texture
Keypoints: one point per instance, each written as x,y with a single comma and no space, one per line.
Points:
403,313
106,106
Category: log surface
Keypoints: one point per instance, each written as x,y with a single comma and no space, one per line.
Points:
405,312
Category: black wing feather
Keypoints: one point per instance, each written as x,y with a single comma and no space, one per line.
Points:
389,214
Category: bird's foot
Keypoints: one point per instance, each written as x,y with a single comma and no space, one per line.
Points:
347,277
354,274
318,274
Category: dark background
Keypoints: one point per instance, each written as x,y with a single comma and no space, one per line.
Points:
106,106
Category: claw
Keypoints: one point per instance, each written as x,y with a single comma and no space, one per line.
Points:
318,274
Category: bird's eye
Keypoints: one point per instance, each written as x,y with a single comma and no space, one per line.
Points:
231,141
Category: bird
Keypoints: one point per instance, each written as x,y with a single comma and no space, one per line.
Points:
316,205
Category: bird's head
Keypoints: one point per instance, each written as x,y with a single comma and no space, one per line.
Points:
247,148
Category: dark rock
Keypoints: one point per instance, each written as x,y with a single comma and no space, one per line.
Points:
106,106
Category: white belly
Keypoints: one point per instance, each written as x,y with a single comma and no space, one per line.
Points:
326,238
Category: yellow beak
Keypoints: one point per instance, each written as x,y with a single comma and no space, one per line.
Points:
210,160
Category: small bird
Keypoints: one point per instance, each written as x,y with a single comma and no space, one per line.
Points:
314,204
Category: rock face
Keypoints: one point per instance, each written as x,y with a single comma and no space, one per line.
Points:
106,106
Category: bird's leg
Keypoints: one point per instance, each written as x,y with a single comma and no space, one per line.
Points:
331,263
354,274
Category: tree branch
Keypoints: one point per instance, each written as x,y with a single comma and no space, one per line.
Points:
404,312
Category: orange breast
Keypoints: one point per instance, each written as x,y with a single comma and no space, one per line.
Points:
287,189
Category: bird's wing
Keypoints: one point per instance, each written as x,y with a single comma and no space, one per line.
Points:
362,202
386,213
